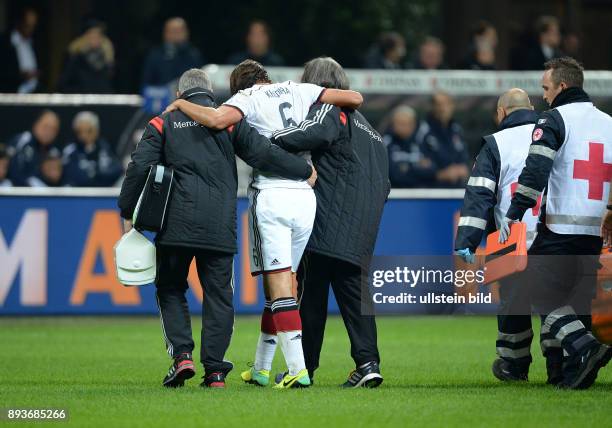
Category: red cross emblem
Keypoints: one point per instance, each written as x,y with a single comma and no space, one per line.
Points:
594,170
536,209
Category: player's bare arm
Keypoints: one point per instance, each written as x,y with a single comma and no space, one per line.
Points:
215,118
313,177
342,98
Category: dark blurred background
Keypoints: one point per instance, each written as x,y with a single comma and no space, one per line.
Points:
107,50
302,30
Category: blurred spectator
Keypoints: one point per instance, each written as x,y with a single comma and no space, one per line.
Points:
50,173
28,148
257,47
90,161
176,55
481,53
430,55
571,45
408,165
389,52
4,166
90,62
19,71
546,46
444,143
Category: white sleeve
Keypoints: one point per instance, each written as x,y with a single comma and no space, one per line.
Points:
310,93
242,102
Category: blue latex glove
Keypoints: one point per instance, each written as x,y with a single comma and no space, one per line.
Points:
504,230
466,255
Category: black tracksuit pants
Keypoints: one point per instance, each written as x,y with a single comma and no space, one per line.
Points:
563,270
315,274
561,273
215,270
514,332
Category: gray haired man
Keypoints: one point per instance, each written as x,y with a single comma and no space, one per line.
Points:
90,161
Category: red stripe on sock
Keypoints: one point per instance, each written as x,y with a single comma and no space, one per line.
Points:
287,320
267,322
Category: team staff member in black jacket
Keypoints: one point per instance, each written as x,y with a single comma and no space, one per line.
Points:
570,155
351,193
201,221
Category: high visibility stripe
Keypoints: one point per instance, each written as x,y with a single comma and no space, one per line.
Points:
531,235
515,337
513,353
482,182
570,328
575,220
528,191
473,221
542,151
549,344
561,312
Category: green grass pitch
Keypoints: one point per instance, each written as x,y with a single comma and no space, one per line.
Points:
107,372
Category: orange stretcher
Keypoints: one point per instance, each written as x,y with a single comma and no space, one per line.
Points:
602,305
502,260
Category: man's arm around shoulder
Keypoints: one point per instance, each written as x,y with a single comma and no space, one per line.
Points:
257,151
320,128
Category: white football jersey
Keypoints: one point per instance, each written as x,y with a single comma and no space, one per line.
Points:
273,107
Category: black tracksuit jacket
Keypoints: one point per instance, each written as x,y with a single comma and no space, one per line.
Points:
353,180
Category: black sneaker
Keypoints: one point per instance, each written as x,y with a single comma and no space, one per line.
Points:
588,364
554,369
181,369
216,379
367,376
508,372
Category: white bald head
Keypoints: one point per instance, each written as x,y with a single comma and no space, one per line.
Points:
510,101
